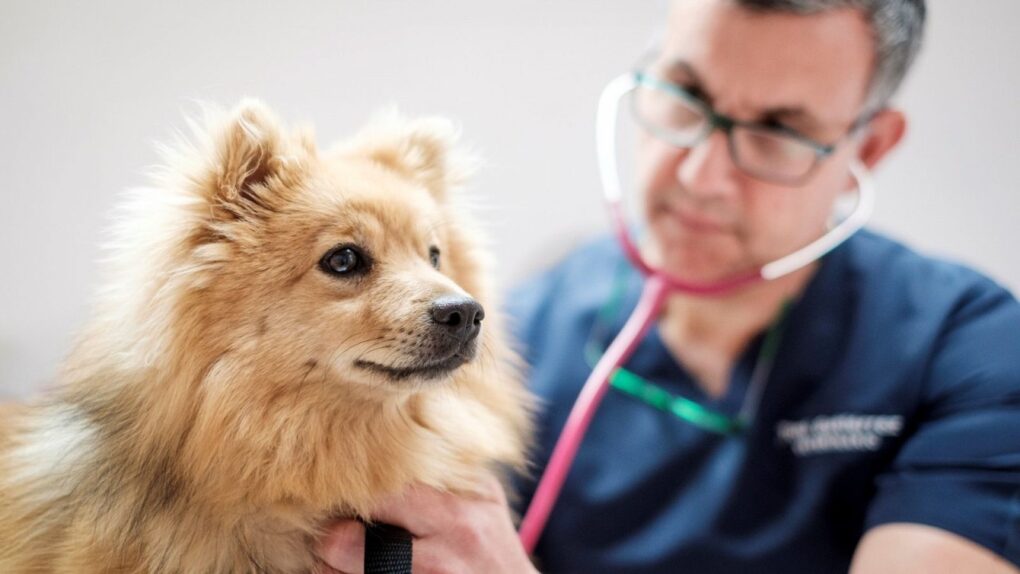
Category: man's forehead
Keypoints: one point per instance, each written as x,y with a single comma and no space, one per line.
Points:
816,67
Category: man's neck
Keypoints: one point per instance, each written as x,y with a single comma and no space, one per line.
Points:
707,334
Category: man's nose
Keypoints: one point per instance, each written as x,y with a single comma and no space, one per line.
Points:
707,169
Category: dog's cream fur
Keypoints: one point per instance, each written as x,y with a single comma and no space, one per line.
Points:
212,416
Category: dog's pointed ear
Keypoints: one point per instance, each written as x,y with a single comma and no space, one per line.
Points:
251,153
424,150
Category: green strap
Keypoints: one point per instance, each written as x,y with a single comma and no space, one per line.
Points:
686,409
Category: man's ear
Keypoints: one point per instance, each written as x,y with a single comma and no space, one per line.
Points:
250,152
423,150
883,133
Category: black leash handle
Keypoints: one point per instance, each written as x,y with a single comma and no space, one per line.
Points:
387,549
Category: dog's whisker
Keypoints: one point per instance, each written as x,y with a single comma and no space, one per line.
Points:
369,341
393,356
332,359
312,363
385,344
347,338
488,358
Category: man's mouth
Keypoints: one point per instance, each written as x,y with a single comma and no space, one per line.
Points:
697,222
690,218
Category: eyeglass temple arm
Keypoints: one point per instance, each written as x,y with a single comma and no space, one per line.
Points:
605,127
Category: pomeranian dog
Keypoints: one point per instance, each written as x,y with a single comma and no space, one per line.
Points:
286,337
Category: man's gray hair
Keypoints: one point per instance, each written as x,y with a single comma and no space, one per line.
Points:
897,27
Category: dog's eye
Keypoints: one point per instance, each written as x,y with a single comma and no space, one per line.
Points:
434,256
343,261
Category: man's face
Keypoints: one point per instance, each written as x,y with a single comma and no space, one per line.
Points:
709,220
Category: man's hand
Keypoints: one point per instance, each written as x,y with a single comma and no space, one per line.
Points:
903,548
452,533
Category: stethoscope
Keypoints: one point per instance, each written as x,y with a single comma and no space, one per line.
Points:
657,286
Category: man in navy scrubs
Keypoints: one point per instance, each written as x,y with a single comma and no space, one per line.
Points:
886,434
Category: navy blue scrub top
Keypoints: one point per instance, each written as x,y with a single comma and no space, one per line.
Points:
895,397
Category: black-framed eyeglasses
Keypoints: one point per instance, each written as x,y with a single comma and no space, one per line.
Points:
770,153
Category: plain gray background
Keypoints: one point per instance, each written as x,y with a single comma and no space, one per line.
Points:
86,87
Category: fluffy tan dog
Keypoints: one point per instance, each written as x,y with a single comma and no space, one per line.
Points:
287,336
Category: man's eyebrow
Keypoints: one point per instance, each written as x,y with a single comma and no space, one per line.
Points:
788,112
677,67
796,118
682,66
805,119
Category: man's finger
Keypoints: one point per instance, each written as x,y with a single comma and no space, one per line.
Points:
343,546
422,510
418,509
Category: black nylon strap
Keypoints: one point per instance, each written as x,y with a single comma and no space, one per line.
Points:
387,549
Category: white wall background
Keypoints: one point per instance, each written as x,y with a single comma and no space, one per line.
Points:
86,87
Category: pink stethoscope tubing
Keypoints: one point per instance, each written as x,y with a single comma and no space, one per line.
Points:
658,285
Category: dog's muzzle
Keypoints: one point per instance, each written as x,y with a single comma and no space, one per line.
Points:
449,340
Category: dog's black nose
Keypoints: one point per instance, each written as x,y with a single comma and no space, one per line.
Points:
459,316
